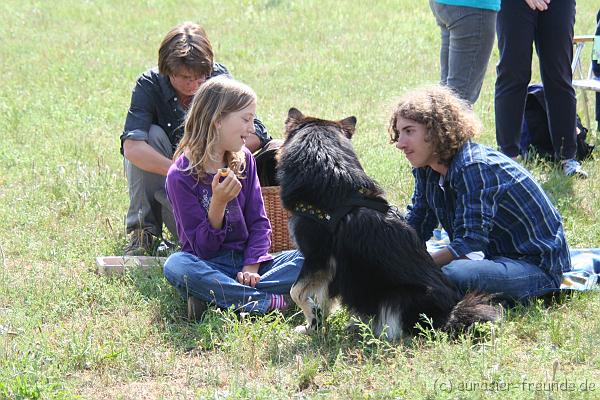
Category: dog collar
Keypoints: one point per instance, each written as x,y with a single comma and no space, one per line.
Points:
332,219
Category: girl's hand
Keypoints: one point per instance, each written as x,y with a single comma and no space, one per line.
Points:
227,190
249,275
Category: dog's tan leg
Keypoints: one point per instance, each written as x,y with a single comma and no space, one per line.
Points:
311,293
322,297
301,293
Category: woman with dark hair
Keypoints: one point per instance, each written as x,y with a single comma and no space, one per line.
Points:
506,237
154,126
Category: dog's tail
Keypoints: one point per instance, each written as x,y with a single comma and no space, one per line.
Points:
474,307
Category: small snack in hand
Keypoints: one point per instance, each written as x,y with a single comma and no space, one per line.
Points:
224,171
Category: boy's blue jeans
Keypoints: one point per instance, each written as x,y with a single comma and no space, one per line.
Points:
510,279
214,280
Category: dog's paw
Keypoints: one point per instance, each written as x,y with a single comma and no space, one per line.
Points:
303,330
317,320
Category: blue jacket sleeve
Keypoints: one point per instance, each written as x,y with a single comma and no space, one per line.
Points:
140,113
420,216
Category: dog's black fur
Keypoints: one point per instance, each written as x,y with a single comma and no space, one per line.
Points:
373,262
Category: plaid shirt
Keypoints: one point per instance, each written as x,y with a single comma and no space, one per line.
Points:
486,202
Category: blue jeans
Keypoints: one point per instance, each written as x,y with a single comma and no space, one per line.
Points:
467,39
509,279
214,281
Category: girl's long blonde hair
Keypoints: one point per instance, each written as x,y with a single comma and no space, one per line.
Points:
215,99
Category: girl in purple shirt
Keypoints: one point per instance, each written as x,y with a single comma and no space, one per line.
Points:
220,217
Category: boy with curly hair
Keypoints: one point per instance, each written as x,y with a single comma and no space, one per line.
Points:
506,236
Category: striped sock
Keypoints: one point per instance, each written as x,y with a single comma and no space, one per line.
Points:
277,302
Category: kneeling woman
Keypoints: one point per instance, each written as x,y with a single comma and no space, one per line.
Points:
506,237
221,219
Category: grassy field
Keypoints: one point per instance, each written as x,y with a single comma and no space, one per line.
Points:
68,69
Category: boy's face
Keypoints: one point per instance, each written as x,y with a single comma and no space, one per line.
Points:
411,141
186,82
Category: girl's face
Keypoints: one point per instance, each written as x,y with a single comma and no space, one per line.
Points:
235,127
411,141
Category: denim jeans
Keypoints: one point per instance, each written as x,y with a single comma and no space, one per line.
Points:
509,279
214,281
467,40
148,204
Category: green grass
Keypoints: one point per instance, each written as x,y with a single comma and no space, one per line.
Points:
68,69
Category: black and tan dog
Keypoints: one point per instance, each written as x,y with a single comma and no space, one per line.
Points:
357,248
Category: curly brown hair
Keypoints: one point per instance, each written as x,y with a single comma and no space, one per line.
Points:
449,121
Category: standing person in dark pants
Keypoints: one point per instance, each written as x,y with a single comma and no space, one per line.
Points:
520,23
467,30
596,70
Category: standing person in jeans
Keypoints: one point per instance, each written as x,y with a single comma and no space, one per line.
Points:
506,236
153,128
468,29
550,25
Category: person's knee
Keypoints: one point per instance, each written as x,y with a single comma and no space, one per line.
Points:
176,267
463,277
158,140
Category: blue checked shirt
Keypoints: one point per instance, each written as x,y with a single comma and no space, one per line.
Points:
486,202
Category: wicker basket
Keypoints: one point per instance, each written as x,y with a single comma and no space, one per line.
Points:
280,237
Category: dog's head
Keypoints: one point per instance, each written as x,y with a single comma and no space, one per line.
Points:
317,163
296,121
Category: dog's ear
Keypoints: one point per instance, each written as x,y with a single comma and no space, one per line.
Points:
294,119
349,126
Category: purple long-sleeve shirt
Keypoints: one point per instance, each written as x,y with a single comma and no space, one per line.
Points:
245,224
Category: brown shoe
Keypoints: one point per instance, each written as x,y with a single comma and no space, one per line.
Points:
195,308
140,243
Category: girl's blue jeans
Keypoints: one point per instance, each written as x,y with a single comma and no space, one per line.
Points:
214,280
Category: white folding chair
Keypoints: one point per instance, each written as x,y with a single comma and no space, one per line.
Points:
584,82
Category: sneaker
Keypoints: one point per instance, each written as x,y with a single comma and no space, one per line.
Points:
572,167
140,243
195,308
166,247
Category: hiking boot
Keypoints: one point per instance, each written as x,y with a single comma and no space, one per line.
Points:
195,308
572,167
140,243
